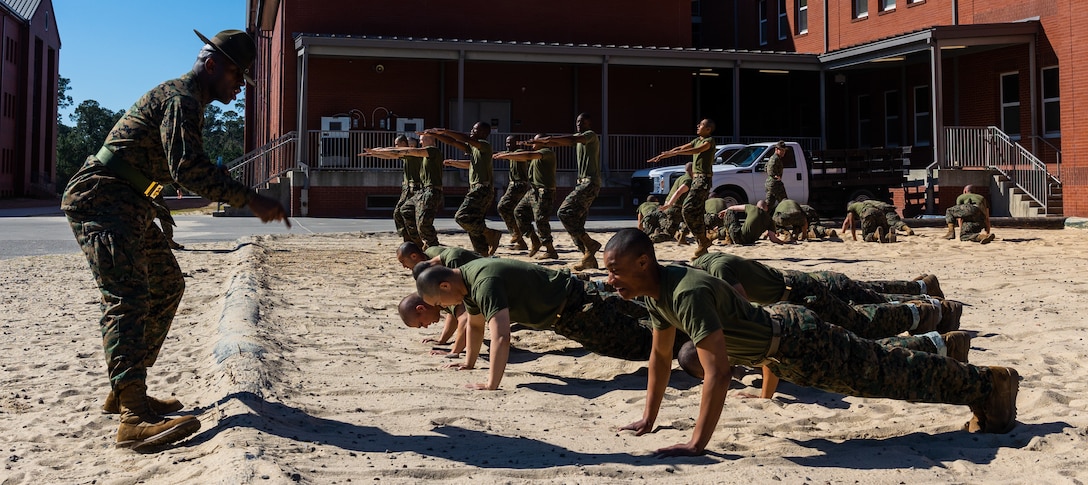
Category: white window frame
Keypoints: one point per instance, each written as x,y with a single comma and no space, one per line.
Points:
783,21
922,112
1050,101
865,124
887,5
802,13
762,12
861,9
889,119
1011,104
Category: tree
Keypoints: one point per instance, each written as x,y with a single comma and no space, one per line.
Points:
64,100
224,132
75,143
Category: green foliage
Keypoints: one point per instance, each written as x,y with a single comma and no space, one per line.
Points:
224,132
75,143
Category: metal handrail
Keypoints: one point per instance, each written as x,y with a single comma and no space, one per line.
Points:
266,163
989,147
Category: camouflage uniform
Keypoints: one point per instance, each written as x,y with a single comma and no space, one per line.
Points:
864,292
970,213
694,208
470,216
828,357
776,190
408,188
113,221
869,218
536,206
423,208
606,324
891,214
790,217
515,192
873,321
814,221
575,207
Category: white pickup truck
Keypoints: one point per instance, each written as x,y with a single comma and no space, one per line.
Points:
827,180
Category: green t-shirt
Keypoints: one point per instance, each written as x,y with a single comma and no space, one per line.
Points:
699,304
756,222
763,284
481,165
715,205
519,171
412,168
786,207
973,199
646,208
542,170
451,257
431,172
684,180
703,162
857,208
589,156
533,294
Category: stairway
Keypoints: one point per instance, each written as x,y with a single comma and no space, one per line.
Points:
1020,204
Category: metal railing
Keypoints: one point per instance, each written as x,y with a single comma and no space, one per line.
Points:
339,150
989,147
272,160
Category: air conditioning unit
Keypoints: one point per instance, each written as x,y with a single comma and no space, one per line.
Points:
409,126
334,144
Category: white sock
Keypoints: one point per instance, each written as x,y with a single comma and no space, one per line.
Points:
922,285
938,341
914,313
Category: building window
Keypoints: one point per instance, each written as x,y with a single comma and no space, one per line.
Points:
10,49
783,21
923,121
886,5
802,16
1052,113
762,22
1010,104
865,122
861,9
892,126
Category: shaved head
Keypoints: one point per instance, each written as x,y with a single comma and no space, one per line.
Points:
631,242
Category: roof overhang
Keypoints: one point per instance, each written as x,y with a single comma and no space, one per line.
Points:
347,46
942,36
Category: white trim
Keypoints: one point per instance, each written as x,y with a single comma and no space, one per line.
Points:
802,12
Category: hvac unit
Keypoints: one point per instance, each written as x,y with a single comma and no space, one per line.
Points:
409,126
333,147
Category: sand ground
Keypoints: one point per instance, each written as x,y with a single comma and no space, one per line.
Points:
308,376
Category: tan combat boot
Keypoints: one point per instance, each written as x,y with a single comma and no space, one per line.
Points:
158,406
589,259
704,243
494,238
951,311
983,238
547,253
534,244
933,287
143,430
958,344
929,316
908,230
996,413
951,234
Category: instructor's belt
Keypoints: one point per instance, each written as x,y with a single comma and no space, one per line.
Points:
133,176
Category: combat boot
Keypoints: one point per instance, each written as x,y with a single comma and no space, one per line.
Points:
534,244
996,413
704,243
891,236
929,317
158,406
957,345
589,259
951,234
547,253
493,239
660,237
141,429
831,234
951,310
983,238
908,230
682,237
880,236
933,287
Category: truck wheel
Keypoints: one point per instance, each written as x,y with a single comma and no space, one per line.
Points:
731,197
861,195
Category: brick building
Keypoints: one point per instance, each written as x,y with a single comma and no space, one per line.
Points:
28,98
847,74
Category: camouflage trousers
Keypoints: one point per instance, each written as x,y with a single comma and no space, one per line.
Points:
536,206
863,292
776,192
971,217
694,208
470,216
423,208
606,324
871,219
873,321
894,221
399,219
815,354
794,222
575,208
140,282
508,204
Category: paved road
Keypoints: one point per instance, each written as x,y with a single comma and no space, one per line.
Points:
39,231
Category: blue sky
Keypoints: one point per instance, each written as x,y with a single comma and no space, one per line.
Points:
115,51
